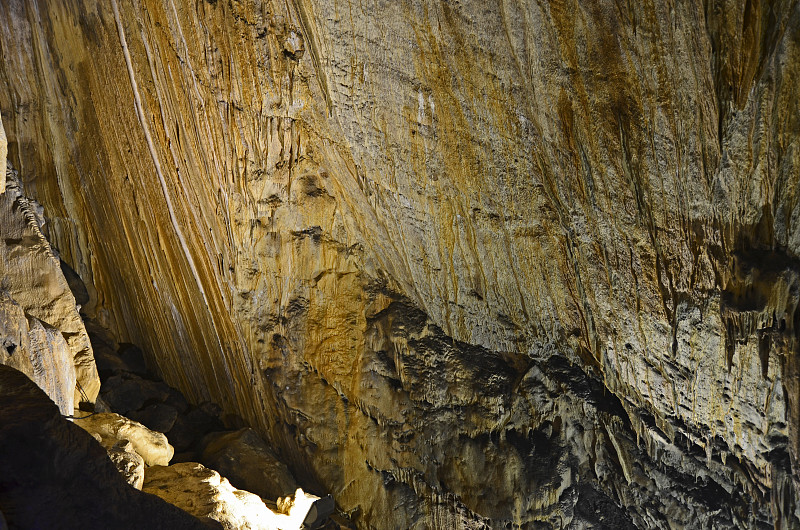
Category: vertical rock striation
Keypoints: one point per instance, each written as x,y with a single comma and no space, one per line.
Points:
466,264
41,333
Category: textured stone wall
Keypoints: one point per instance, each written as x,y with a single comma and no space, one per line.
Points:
461,261
41,332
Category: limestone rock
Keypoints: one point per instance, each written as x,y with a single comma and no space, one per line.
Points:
83,489
39,351
248,463
158,417
112,428
31,284
382,234
3,155
30,275
189,428
129,392
204,493
128,462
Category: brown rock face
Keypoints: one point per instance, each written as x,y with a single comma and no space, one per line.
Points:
467,264
41,332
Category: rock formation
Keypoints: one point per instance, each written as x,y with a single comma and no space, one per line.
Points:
465,264
204,493
112,429
54,475
41,332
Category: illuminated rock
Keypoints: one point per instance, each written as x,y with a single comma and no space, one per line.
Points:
382,234
204,493
40,329
128,462
112,428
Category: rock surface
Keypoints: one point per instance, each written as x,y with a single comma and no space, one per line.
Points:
113,428
469,264
248,463
203,493
3,156
128,462
41,332
54,475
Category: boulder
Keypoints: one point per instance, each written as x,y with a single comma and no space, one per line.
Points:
127,392
112,428
53,474
249,463
158,417
204,493
128,462
189,428
177,401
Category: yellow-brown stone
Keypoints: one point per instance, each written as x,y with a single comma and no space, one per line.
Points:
370,229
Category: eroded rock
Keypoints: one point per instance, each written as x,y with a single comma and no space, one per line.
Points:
129,392
204,493
248,463
112,428
128,462
541,182
84,489
3,155
158,417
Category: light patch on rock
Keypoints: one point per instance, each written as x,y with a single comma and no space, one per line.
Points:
205,493
151,445
128,462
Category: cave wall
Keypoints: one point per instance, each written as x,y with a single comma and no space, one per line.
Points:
286,202
41,332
